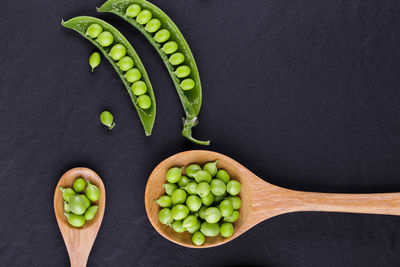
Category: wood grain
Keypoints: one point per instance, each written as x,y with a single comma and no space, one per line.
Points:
260,200
79,241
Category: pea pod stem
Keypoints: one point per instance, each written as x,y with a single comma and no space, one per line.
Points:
188,124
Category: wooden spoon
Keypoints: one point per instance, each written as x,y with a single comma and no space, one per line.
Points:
260,200
79,241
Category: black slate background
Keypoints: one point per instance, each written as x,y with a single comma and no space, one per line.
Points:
304,93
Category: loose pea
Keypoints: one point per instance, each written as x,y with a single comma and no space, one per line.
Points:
87,201
179,212
182,71
227,229
187,84
74,219
189,222
118,51
107,119
203,189
226,207
178,196
170,47
125,63
133,75
77,204
153,25
170,188
191,188
144,101
144,16
233,187
162,36
218,199
94,60
232,218
92,191
174,174
91,212
164,201
192,169
193,203
202,176
67,193
202,212
224,176
66,207
209,229
105,38
165,216
208,199
194,228
198,238
79,185
236,202
184,181
139,88
218,187
94,30
210,167
178,226
133,10
177,58
212,215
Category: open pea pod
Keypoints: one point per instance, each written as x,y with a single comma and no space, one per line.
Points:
147,112
169,42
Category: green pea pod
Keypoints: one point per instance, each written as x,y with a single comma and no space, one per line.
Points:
191,97
80,24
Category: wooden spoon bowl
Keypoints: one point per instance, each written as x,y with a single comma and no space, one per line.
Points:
260,200
79,241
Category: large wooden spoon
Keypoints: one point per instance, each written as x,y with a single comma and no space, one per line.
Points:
260,200
79,241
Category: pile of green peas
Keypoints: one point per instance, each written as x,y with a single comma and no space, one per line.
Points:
152,25
204,201
125,63
78,207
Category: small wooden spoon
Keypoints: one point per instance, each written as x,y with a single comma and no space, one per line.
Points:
79,241
260,200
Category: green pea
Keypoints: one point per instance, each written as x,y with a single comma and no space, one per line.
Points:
193,203
144,16
118,51
170,47
92,191
79,185
178,226
91,212
212,215
209,229
94,60
191,188
133,10
133,75
194,228
105,38
236,202
74,219
223,176
174,174
192,169
208,199
182,71
66,207
202,176
77,204
178,196
232,218
139,88
203,189
67,193
189,222
218,199
170,188
177,58
226,207
165,216
94,30
107,119
179,212
125,63
164,201
227,229
184,181
153,25
187,84
144,101
233,187
87,201
162,36
202,212
218,187
210,167
198,238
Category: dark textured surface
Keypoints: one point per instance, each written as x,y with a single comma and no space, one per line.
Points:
304,93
